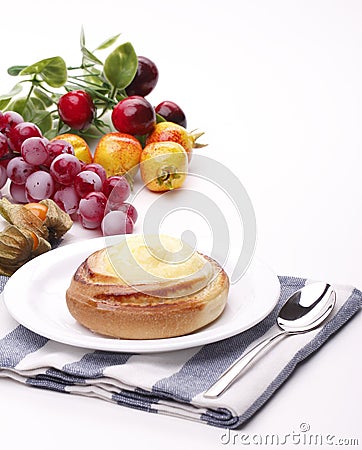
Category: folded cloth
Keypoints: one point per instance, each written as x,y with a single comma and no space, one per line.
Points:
173,382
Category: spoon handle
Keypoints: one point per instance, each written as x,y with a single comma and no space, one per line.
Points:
232,373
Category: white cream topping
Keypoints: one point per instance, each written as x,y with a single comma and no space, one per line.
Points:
161,259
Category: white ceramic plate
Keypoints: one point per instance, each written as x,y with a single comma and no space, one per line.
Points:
35,297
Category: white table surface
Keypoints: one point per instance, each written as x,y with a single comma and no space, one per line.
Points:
277,88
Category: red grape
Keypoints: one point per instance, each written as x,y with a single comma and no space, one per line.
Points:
59,146
117,189
38,186
4,162
17,191
86,182
116,222
98,169
67,199
20,132
4,146
88,223
19,170
9,119
34,151
130,210
64,168
92,207
3,176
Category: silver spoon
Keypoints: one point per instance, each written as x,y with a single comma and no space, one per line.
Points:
304,310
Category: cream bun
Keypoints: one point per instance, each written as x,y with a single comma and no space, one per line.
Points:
147,287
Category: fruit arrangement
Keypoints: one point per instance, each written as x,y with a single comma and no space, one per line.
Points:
43,136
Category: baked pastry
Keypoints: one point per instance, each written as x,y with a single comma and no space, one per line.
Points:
147,288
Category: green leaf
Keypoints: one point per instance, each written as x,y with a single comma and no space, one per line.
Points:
55,74
33,110
142,139
82,38
71,87
41,116
120,69
96,78
88,56
48,101
107,43
52,70
43,119
92,131
15,70
50,134
64,129
4,104
22,106
14,91
159,118
38,104
120,66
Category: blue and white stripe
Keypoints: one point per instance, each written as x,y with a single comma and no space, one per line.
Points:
170,383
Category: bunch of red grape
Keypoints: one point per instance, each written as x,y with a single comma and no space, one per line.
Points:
39,169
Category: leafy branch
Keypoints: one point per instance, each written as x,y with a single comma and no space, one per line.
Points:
50,78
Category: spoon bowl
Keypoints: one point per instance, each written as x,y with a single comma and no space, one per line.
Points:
304,310
307,308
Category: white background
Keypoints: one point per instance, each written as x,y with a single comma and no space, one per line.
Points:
277,88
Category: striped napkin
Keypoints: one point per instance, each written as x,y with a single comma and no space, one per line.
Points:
171,383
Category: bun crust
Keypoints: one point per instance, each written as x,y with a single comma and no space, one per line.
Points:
105,305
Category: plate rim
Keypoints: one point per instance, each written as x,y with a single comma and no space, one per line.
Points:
140,346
